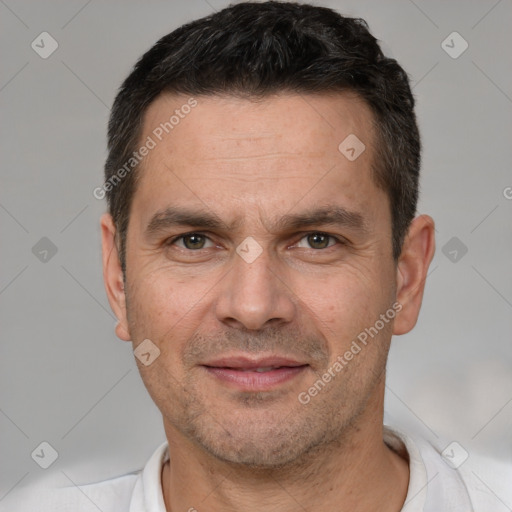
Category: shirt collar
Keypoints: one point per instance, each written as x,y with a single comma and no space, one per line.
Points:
147,493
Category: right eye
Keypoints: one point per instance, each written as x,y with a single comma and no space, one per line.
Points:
191,241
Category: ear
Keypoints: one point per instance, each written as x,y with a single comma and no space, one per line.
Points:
113,276
417,253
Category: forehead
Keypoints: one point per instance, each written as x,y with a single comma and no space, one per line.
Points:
297,122
272,153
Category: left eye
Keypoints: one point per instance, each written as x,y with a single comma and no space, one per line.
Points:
318,240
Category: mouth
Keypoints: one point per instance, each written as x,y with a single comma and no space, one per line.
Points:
259,374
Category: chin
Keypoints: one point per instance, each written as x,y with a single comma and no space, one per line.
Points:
258,443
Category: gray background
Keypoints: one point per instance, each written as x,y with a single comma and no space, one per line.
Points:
65,377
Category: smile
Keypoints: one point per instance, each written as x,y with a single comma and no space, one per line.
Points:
263,374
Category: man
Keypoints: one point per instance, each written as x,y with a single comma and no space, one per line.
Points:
260,250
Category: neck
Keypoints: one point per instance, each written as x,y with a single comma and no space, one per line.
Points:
358,473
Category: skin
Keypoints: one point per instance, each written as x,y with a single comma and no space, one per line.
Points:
301,297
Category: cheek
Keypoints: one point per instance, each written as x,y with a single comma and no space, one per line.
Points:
345,303
158,308
158,312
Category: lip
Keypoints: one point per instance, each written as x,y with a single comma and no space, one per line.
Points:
247,363
240,371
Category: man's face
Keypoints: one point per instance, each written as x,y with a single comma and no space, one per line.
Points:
245,325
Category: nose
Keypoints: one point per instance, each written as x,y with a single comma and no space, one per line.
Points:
252,295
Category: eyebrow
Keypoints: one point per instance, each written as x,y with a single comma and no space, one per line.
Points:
200,219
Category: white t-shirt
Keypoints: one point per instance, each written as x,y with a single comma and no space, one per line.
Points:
433,486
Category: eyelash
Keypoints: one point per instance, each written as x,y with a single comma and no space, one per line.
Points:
170,241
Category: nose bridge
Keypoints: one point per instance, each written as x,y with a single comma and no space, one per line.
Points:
251,293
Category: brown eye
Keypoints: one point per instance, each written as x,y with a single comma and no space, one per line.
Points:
191,241
319,240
